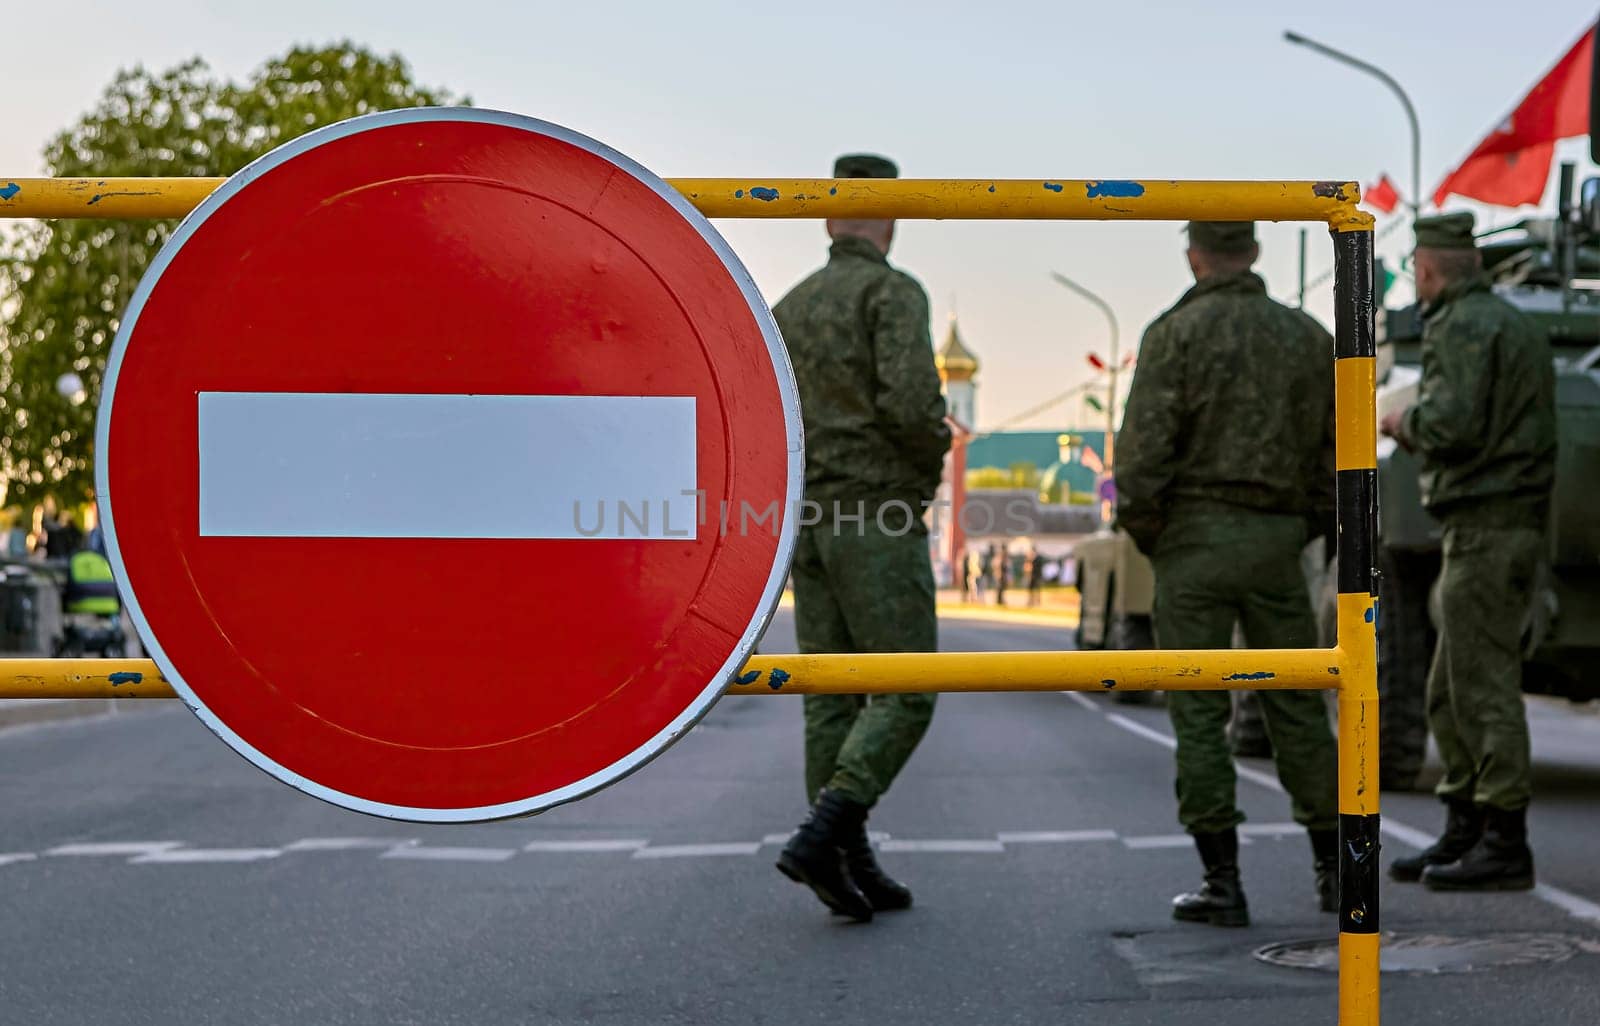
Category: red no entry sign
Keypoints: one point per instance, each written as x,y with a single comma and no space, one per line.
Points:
411,453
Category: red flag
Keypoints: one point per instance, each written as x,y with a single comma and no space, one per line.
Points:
1512,164
1096,362
1382,196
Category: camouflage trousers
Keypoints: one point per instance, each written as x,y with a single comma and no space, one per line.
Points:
1475,683
862,591
1214,569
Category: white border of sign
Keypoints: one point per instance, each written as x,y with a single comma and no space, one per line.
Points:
782,371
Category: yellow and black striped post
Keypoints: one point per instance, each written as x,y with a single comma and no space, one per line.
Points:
1356,444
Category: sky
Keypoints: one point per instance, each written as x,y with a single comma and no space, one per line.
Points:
1139,88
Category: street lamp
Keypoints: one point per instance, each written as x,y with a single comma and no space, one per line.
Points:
1405,101
1114,365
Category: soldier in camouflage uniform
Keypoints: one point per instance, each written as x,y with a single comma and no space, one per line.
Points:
1484,425
1224,471
857,335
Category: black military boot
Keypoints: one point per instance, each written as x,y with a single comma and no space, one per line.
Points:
1220,900
1325,850
1500,861
1462,828
883,892
814,856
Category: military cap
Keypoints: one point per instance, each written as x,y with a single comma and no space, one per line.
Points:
1445,231
1222,236
864,165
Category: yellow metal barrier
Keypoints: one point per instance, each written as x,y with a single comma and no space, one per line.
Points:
1351,666
1033,199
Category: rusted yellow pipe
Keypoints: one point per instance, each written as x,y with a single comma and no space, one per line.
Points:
1138,670
879,674
82,678
1047,199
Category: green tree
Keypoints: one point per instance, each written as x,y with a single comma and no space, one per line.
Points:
64,284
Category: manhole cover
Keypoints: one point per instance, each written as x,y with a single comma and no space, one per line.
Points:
1433,952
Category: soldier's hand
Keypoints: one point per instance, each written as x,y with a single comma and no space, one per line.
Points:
1390,424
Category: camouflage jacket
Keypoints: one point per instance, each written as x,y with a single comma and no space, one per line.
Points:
857,334
1485,419
1231,406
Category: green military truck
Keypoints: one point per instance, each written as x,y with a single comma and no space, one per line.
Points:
1549,268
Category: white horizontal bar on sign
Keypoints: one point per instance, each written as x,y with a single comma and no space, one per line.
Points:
359,465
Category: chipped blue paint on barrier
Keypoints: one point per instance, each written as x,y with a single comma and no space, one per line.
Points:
748,677
9,190
738,194
1118,189
1372,614
1108,684
778,679
764,195
126,677
1052,186
1263,675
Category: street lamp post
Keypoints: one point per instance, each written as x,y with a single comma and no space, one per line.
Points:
1394,87
1114,364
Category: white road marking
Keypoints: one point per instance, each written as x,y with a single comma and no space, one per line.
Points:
1152,841
420,853
6,858
189,856
1271,829
949,847
1571,904
1135,727
559,847
345,465
347,843
1055,836
1083,700
1409,836
1159,841
121,849
689,851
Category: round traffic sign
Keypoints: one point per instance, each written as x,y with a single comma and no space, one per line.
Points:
449,461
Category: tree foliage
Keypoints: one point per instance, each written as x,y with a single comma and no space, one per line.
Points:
64,284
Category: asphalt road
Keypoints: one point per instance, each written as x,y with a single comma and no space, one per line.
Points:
149,875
